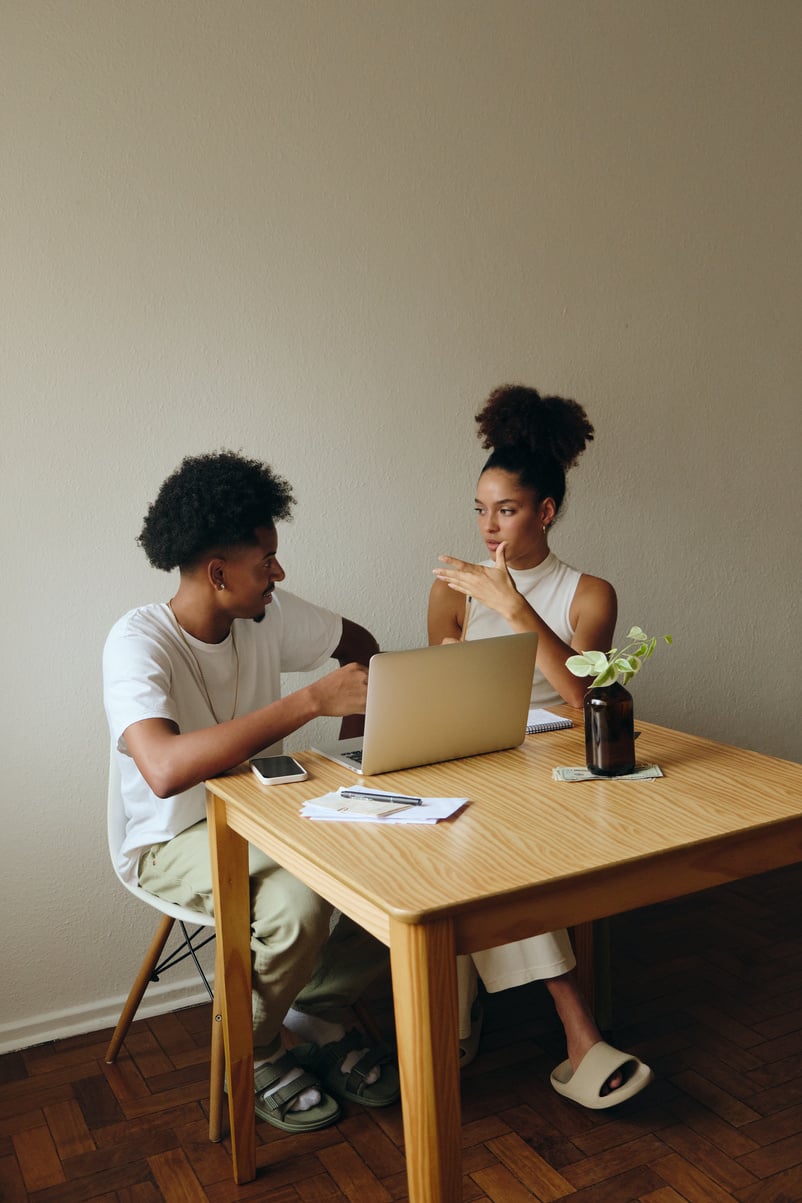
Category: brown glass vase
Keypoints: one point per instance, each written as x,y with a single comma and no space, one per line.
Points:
609,731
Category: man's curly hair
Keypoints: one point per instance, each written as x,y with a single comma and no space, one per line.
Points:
212,501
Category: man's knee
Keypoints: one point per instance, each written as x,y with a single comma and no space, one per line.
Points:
302,916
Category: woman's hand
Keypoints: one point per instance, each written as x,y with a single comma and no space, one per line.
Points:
592,615
491,585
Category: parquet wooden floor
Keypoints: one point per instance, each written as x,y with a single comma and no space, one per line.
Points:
707,989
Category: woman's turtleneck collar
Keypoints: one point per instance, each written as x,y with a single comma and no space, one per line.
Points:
531,575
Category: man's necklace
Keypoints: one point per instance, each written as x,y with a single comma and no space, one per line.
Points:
203,684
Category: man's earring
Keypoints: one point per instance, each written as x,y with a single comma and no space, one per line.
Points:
220,585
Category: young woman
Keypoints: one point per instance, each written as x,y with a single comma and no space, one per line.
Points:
523,586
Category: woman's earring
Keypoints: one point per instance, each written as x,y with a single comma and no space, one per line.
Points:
220,585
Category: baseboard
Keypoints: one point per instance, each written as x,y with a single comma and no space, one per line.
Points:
103,1014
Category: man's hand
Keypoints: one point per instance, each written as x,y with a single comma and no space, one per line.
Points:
343,691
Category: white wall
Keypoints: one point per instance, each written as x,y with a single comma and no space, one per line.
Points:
321,232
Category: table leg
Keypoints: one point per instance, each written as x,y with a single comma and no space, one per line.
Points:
583,936
229,856
424,971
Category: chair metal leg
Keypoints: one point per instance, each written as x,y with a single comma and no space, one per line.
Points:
140,985
217,1068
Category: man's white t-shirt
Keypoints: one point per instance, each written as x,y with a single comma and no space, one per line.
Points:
149,671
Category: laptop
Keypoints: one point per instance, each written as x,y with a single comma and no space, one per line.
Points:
440,703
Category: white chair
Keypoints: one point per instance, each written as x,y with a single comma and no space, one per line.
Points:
151,966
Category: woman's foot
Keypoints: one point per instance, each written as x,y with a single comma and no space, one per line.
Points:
581,1032
578,1050
469,1045
589,1084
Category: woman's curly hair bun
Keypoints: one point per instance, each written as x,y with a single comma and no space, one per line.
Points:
515,416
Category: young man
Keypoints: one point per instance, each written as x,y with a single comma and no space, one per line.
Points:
192,689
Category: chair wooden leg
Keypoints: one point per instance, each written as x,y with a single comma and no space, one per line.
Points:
217,1069
140,985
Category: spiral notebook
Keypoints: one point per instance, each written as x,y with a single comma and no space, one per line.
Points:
545,720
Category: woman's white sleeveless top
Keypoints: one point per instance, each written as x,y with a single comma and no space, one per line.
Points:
549,588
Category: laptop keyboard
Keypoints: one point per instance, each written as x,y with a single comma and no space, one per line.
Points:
355,756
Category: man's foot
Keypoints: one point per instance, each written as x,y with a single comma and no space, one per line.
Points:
313,1029
349,1070
290,1098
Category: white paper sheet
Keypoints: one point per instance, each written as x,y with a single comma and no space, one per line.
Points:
334,809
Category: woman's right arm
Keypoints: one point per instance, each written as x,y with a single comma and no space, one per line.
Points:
447,613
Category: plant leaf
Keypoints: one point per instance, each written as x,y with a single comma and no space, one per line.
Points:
637,633
598,660
605,678
580,666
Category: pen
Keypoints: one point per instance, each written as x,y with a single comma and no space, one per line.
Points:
465,618
361,793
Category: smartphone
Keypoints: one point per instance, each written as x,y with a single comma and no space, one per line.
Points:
278,770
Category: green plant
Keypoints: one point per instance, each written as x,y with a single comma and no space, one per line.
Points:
617,664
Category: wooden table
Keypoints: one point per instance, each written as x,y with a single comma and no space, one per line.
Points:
527,855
